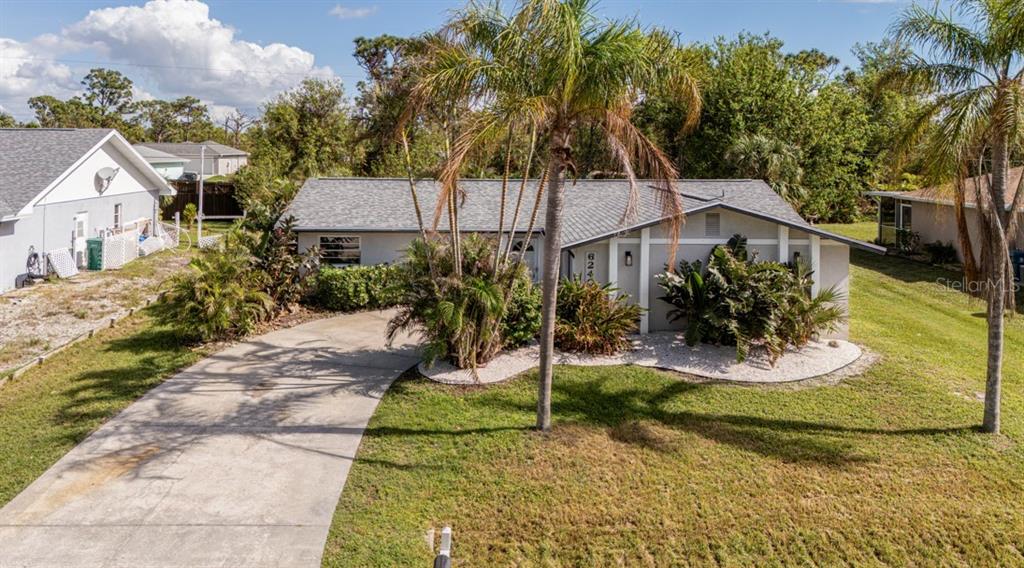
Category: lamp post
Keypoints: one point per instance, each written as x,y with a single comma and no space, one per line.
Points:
202,169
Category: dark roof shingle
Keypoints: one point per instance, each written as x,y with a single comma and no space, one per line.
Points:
32,158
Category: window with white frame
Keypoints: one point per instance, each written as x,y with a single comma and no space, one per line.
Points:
340,249
118,215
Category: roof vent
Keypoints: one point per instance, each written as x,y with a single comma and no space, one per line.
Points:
712,224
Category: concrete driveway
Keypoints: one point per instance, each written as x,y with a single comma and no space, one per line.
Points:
237,461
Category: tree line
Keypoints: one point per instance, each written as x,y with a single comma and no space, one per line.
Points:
818,133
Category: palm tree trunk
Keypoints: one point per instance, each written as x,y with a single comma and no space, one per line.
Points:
552,264
994,373
504,193
993,207
522,190
964,234
412,186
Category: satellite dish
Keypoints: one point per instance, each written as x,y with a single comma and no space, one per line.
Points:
103,178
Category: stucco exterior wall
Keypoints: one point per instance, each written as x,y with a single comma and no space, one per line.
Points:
50,225
594,260
936,222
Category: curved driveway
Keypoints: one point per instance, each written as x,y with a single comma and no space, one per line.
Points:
237,461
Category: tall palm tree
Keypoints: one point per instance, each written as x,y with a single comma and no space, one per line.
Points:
770,159
971,59
555,66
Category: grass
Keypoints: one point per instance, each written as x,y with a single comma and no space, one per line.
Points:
866,231
51,408
644,468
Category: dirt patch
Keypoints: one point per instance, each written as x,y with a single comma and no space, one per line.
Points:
39,318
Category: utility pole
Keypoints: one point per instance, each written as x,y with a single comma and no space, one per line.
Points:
202,169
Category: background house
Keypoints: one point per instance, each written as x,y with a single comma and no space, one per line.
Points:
930,213
167,165
59,187
372,221
220,160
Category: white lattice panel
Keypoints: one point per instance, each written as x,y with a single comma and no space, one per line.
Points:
119,250
62,262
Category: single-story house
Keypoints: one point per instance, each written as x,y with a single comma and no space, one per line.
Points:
211,158
372,221
167,165
61,186
931,214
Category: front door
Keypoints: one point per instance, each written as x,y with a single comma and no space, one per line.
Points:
81,233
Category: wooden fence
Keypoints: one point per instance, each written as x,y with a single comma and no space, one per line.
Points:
218,199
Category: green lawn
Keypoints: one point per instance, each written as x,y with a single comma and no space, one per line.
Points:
866,231
49,409
644,468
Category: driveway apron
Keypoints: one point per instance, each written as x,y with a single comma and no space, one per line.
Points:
237,461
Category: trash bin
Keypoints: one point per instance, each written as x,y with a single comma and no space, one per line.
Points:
1018,264
94,253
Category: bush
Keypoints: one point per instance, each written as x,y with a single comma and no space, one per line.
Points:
230,288
737,301
461,314
941,253
356,288
590,319
220,296
521,321
189,214
907,241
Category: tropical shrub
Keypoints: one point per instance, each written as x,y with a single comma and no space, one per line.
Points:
941,253
589,318
460,309
189,214
734,300
521,321
356,288
229,289
220,296
907,241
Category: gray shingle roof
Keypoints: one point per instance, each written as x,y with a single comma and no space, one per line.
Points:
191,149
154,156
32,158
593,208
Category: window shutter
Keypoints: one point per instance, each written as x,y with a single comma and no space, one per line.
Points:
712,224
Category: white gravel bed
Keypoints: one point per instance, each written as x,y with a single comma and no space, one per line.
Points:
667,350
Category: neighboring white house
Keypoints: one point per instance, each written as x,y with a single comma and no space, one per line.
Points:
216,160
931,214
372,221
59,187
167,165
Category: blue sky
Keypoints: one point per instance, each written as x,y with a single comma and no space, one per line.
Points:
236,53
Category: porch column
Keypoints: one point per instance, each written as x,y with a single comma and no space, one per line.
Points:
613,262
783,244
645,277
816,264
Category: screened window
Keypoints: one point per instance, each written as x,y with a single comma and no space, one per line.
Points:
339,249
887,211
906,214
712,225
118,217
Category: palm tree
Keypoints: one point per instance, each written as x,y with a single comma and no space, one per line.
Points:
778,163
556,67
971,59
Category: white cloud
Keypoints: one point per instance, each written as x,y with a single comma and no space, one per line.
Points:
27,70
346,13
173,47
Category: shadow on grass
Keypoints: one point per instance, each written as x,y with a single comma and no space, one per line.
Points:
129,366
910,271
594,402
